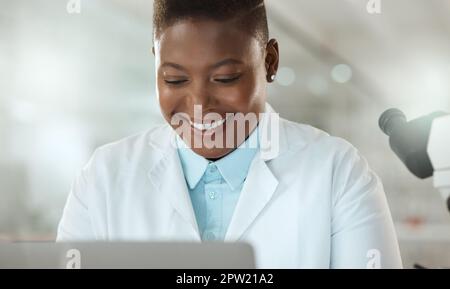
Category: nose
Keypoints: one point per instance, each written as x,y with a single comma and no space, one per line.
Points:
199,94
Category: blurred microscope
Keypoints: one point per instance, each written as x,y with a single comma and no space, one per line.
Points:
422,144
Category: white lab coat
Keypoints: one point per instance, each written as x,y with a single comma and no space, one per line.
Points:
313,204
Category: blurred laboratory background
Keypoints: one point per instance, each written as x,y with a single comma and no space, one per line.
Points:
70,82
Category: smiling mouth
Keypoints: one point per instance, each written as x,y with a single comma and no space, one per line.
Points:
208,126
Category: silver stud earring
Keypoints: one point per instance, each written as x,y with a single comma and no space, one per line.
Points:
272,77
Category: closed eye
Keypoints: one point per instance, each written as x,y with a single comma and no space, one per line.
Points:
175,82
228,80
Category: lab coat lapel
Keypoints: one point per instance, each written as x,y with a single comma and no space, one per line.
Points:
167,176
260,183
256,193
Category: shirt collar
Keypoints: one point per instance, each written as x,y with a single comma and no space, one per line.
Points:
233,167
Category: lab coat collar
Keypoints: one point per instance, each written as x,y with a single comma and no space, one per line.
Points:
166,174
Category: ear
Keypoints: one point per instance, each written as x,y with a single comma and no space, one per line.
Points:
272,59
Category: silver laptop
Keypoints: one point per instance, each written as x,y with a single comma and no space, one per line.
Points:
154,255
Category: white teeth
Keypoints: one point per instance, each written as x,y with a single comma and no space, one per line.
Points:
208,126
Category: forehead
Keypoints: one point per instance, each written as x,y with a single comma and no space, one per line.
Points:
206,40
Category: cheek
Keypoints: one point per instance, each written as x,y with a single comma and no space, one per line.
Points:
168,101
244,95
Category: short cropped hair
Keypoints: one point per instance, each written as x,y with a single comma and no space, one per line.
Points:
249,14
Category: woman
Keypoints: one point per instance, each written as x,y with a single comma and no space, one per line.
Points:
226,167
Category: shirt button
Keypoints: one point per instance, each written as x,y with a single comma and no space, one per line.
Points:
212,195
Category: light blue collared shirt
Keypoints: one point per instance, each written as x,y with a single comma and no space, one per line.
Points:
214,187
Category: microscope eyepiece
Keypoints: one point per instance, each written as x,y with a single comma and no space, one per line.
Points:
409,139
390,119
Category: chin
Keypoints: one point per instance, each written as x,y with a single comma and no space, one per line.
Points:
212,153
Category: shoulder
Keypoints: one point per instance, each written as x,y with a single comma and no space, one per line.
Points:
316,153
301,137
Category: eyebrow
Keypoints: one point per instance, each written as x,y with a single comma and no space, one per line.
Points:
173,65
227,61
